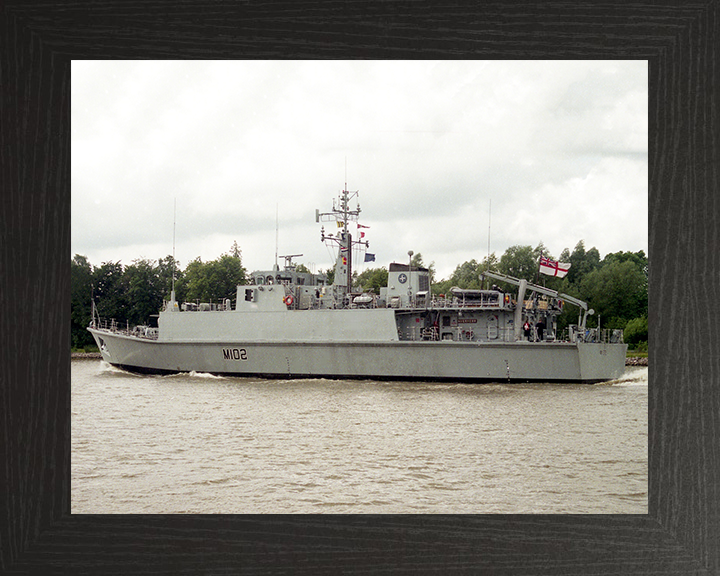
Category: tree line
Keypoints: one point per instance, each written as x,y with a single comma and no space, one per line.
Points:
616,286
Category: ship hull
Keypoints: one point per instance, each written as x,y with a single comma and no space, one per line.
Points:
399,360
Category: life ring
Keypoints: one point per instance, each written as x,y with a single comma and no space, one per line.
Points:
288,300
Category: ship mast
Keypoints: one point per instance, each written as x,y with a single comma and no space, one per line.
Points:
346,238
342,214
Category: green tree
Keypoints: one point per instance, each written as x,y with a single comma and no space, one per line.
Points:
194,283
166,268
636,331
144,291
641,263
213,281
110,292
582,262
80,301
637,258
329,274
226,272
520,262
541,250
466,275
441,287
490,262
372,279
616,291
417,260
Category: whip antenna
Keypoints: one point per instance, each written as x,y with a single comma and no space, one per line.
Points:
489,213
173,255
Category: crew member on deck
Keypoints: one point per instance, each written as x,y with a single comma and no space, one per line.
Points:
526,329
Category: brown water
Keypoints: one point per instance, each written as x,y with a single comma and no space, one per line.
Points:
202,444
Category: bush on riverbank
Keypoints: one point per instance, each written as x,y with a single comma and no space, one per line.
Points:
89,349
642,347
636,332
636,354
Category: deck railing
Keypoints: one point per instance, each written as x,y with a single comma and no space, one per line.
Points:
112,325
604,335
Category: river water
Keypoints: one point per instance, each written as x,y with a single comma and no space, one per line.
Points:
196,443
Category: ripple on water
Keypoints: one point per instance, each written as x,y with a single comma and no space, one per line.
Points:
199,443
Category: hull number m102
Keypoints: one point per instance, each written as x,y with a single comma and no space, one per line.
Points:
234,354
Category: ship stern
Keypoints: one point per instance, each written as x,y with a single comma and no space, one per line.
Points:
600,362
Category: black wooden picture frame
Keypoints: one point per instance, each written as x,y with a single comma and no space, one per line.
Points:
680,535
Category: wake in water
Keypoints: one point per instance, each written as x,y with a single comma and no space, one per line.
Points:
193,374
634,376
107,368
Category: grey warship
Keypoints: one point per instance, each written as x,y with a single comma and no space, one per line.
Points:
291,324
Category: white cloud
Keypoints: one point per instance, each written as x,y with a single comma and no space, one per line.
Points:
559,147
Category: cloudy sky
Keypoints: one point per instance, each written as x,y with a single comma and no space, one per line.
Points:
441,152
